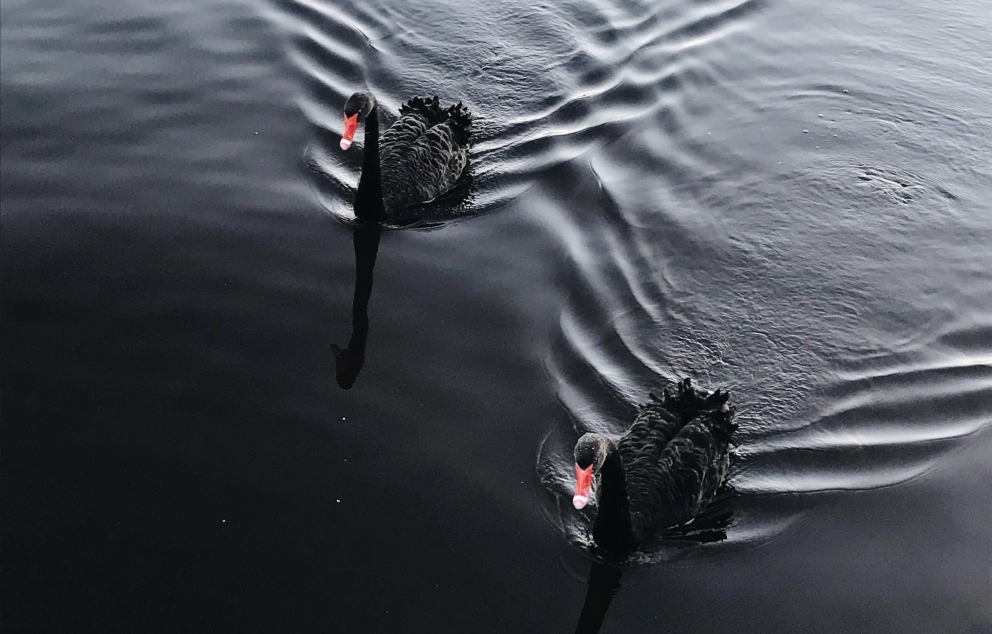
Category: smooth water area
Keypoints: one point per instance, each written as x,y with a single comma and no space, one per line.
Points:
786,200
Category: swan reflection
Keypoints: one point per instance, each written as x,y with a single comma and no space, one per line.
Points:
348,362
604,579
604,582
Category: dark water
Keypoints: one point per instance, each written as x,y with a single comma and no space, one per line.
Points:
789,200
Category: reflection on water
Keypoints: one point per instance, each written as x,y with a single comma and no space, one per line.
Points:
604,583
348,362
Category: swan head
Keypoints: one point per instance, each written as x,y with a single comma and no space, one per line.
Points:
358,106
590,453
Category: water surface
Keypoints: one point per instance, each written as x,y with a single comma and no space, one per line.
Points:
786,200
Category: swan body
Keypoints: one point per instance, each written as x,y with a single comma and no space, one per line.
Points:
662,473
416,160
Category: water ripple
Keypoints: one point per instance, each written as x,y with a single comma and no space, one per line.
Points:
603,68
835,391
814,284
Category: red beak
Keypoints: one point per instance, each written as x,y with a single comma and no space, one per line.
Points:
583,482
350,126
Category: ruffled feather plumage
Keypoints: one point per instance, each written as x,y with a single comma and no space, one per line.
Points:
669,469
422,154
675,457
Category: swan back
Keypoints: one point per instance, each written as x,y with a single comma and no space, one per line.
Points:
424,152
675,457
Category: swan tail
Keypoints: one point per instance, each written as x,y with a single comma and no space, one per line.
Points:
712,521
427,107
689,402
461,122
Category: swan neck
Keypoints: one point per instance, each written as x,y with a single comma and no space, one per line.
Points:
372,135
612,530
368,199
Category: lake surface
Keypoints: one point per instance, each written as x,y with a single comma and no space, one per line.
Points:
786,200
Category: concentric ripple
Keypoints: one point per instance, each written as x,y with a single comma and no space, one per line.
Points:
817,289
762,227
835,393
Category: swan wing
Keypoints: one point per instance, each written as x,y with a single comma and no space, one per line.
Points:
425,161
417,116
675,458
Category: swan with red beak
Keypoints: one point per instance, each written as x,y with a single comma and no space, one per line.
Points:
662,473
350,127
583,486
417,159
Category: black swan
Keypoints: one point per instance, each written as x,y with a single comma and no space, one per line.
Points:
419,157
669,468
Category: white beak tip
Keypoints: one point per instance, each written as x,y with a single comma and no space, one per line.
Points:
580,501
345,144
